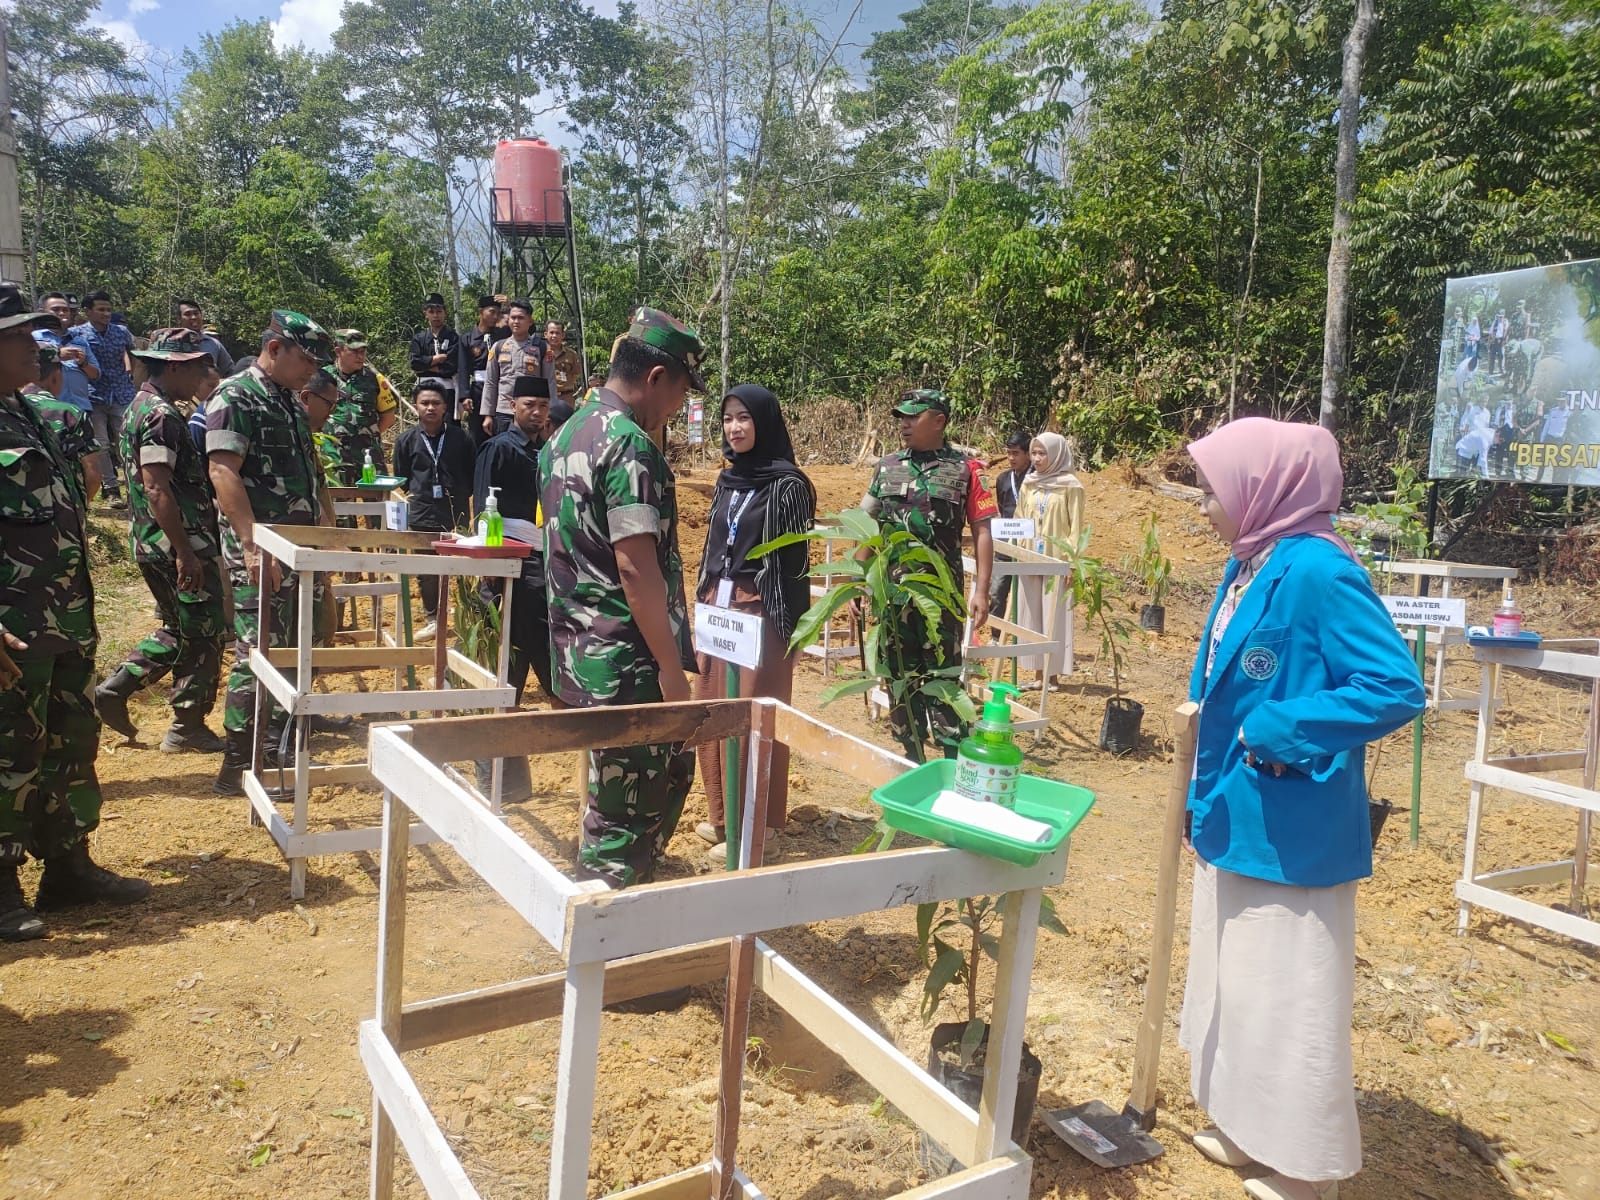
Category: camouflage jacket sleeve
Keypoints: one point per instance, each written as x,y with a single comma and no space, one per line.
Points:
160,437
230,427
74,433
631,479
869,502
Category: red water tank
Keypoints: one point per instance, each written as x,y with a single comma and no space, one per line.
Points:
528,196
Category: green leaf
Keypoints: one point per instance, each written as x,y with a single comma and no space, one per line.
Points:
925,914
808,630
850,687
1048,918
260,1156
858,524
945,970
1555,1039
971,1038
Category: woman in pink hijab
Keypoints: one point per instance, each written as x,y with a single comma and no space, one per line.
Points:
1299,669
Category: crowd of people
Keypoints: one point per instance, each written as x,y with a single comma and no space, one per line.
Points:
1298,669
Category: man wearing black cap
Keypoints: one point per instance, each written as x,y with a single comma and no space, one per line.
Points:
472,364
49,734
434,353
510,461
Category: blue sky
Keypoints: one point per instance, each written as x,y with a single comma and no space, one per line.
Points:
171,26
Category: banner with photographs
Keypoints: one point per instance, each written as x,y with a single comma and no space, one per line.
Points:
1518,395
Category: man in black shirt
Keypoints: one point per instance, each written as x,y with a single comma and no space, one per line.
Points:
435,353
1007,485
472,365
510,461
435,462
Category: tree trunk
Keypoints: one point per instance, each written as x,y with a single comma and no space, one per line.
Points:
1336,329
452,261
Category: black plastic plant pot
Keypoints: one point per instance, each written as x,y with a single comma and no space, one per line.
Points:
966,1084
1153,619
1119,731
1377,813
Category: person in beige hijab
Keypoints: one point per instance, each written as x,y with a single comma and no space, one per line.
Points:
1053,499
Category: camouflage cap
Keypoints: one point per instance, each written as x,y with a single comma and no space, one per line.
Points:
921,400
302,332
349,339
325,384
173,345
671,336
15,311
49,354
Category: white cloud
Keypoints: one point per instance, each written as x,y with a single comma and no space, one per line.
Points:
135,7
308,23
128,36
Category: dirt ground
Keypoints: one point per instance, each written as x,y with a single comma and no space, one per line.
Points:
203,1045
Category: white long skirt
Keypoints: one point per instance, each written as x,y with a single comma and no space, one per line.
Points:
1040,610
1266,1020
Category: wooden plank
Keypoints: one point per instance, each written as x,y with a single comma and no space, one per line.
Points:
400,562
470,671
354,658
274,680
1539,873
577,1067
522,1001
339,774
562,731
379,587
1559,760
406,700
347,841
1004,1178
997,1105
655,916
693,1184
929,1106
435,1162
1557,662
535,888
1524,784
1472,894
811,739
323,537
391,967
1437,569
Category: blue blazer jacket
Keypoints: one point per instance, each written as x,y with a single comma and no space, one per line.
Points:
1312,669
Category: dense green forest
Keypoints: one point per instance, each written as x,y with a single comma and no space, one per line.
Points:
1079,211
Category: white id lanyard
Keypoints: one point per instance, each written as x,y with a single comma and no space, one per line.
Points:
725,584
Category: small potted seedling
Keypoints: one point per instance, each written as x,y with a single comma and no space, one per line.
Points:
1154,570
1094,588
954,938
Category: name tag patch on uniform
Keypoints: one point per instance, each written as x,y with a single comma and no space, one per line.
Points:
1259,663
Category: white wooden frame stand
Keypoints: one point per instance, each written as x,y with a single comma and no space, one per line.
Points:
621,945
305,551
838,635
1441,696
1575,659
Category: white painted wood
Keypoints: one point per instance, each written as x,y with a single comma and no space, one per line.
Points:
435,1162
468,670
1490,676
391,966
655,916
532,886
693,1184
1005,1178
998,1103
1525,784
420,700
1436,569
1557,662
1542,873
372,588
902,1082
274,680
1560,760
347,841
813,740
748,1189
576,1068
1472,894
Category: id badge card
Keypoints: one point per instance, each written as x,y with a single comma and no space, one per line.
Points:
438,492
724,593
479,376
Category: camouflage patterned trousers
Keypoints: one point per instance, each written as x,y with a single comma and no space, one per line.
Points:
189,642
239,705
636,795
927,716
49,736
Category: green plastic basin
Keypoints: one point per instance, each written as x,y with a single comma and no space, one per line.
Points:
906,801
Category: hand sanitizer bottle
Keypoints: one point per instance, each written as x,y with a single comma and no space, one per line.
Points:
369,473
1508,617
988,763
491,522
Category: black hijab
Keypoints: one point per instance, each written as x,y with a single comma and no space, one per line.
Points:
783,501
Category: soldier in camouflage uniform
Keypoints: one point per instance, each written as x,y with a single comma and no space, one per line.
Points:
49,735
619,628
172,533
934,490
264,470
71,425
367,407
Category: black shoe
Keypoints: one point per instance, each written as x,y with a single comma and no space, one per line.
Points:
18,922
74,878
111,702
331,723
115,500
229,781
192,735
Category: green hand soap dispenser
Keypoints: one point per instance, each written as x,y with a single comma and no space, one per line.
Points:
988,763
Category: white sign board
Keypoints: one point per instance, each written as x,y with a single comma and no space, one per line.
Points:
728,634
395,515
697,422
1011,529
1432,611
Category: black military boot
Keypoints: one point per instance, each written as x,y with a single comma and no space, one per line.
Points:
235,758
111,701
73,878
189,732
18,922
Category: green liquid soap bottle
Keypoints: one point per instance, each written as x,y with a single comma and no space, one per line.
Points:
988,763
369,473
494,525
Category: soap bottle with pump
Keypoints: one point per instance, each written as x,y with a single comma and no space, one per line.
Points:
491,522
1508,617
988,763
369,473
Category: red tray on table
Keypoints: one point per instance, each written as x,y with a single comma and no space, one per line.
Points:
512,549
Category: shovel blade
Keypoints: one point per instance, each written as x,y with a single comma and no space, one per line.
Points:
1102,1135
